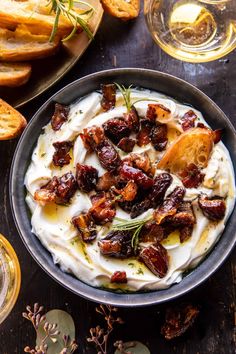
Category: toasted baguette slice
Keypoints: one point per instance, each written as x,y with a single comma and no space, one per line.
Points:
14,74
123,9
21,45
193,146
34,14
11,121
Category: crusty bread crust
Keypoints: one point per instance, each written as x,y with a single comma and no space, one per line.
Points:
21,45
14,74
193,146
11,121
35,15
125,10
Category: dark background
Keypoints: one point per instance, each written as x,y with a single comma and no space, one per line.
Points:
119,44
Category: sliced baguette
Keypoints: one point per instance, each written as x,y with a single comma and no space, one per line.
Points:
14,74
193,146
123,9
21,45
34,14
11,121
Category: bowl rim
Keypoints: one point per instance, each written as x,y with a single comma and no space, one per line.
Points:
103,295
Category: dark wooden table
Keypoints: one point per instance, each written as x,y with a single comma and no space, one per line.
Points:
120,44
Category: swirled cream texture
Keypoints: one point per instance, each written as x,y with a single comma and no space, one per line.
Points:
52,223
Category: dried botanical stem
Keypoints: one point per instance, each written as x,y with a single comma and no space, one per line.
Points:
100,336
121,347
34,316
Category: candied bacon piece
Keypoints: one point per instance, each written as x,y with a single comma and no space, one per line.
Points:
151,232
92,137
178,320
143,136
116,129
61,156
108,96
106,181
128,193
158,137
188,120
184,216
157,112
60,116
86,227
58,190
170,205
117,244
213,209
141,161
132,120
159,188
108,156
155,257
86,177
119,277
66,188
102,209
192,176
140,178
217,135
47,193
126,144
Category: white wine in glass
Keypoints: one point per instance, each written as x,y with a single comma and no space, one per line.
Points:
10,278
195,30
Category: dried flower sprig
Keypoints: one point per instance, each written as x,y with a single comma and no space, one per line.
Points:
50,330
100,336
34,315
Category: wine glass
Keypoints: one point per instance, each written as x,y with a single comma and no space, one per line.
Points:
10,278
193,30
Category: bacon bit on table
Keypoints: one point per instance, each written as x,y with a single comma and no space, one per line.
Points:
61,156
191,176
119,277
188,120
108,96
60,116
178,320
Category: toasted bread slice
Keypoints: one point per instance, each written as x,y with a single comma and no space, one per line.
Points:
35,15
14,74
11,121
123,9
21,45
193,146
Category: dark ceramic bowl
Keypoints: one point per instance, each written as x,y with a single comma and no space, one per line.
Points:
167,84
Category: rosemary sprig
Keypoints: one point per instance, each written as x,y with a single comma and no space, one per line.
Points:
131,225
66,8
126,93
